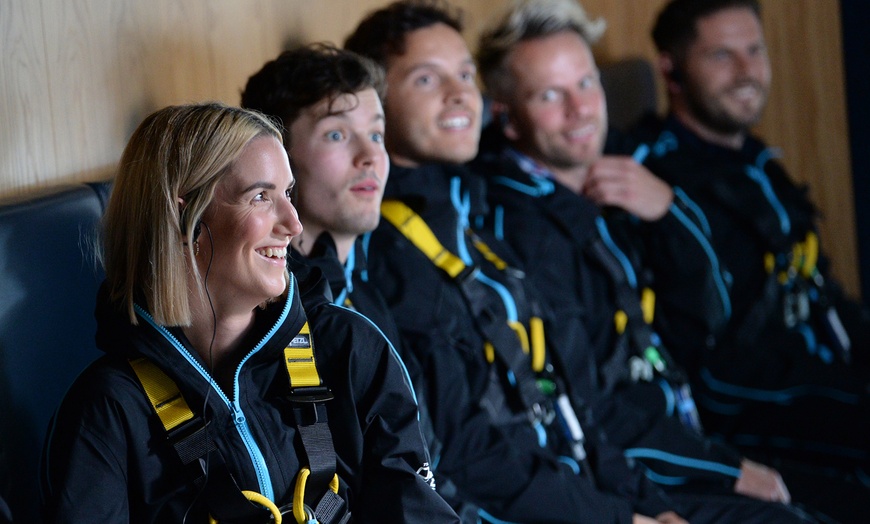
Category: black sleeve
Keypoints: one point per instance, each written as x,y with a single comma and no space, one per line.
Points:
666,447
84,473
386,454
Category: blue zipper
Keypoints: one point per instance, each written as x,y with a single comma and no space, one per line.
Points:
348,277
704,242
757,174
462,206
239,419
618,253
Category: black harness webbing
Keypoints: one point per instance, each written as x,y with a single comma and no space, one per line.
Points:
648,352
637,323
503,338
317,483
506,340
792,279
635,354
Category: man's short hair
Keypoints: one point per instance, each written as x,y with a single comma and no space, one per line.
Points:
676,27
381,34
304,76
526,20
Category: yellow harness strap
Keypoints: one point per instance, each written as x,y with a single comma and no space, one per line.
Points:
415,229
299,359
488,254
163,394
302,372
173,410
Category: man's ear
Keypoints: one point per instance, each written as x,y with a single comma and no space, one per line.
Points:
671,72
503,117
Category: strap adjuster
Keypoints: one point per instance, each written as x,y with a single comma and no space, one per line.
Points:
310,394
467,274
191,434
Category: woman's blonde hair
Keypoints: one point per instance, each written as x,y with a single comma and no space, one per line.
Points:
166,180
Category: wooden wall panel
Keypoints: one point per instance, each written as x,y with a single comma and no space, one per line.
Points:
26,138
806,117
76,77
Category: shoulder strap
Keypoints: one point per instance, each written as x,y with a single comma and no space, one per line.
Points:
415,229
513,345
188,435
633,324
307,397
636,309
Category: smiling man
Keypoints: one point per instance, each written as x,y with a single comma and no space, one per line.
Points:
788,380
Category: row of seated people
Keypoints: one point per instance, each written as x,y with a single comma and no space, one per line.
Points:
522,317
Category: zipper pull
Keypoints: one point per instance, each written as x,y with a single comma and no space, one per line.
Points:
238,416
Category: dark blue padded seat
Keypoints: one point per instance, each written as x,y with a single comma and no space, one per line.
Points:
48,283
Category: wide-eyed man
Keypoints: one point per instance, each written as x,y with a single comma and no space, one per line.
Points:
329,103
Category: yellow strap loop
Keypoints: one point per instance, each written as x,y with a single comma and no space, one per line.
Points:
253,496
489,352
522,334
536,326
648,304
299,495
769,262
257,498
797,256
812,255
620,321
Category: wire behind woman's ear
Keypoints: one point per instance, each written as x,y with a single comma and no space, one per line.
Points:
197,229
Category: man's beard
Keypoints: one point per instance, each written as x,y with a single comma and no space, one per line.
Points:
714,115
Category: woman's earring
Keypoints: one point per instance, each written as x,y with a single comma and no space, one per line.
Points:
196,248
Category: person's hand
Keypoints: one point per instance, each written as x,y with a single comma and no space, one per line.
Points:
761,482
668,517
620,181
